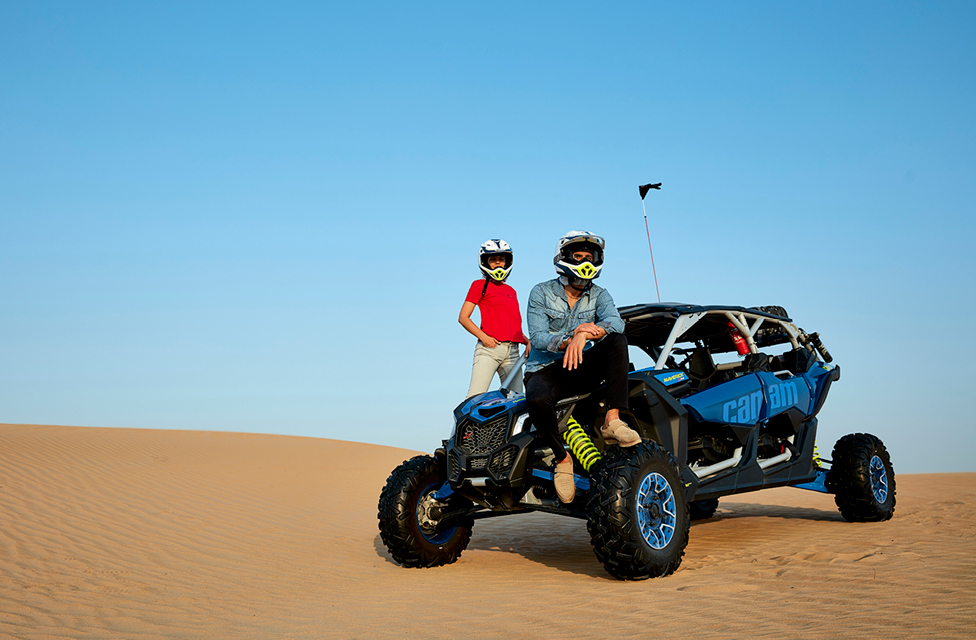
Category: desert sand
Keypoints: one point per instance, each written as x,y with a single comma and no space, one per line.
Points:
130,533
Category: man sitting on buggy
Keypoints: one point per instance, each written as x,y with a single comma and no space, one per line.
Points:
577,343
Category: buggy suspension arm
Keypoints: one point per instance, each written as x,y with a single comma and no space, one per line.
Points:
475,513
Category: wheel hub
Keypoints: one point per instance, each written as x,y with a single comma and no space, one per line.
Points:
428,514
656,510
879,479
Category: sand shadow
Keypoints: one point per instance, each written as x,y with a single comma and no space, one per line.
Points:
736,510
554,541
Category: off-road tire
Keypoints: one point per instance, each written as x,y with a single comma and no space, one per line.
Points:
614,513
771,334
862,479
702,509
773,309
399,527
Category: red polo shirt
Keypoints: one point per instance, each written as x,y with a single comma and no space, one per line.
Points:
500,317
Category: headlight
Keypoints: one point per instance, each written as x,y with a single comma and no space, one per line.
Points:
520,424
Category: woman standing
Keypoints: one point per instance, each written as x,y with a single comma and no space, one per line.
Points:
501,323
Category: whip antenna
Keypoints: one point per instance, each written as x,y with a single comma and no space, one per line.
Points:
644,188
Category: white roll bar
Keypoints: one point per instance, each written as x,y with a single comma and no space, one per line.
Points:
740,320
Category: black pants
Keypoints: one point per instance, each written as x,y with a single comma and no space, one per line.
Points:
607,360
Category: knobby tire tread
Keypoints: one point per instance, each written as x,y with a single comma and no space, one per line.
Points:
612,525
702,509
849,479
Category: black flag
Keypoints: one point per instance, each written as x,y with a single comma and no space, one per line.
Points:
644,188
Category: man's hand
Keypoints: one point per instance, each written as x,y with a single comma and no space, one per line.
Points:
574,350
590,328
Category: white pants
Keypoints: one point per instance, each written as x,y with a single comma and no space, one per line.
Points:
487,362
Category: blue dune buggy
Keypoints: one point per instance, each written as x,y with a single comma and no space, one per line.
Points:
728,406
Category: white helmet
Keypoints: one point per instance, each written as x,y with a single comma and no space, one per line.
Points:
495,247
579,272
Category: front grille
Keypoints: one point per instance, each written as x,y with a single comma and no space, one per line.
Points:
503,460
478,463
453,467
476,439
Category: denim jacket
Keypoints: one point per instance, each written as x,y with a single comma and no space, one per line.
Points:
550,319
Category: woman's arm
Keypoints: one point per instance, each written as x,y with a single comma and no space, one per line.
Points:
465,319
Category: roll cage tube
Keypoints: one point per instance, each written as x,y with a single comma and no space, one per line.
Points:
682,324
739,319
511,376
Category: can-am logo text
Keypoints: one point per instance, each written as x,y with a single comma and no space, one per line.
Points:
745,409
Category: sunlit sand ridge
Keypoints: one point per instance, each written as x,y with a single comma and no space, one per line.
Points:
121,533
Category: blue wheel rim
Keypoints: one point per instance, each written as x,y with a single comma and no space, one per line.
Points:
437,538
879,479
656,510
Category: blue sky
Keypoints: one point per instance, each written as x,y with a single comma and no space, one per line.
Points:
257,217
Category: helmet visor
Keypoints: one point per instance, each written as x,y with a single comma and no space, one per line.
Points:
488,263
577,253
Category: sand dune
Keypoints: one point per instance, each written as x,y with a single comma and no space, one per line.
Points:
124,533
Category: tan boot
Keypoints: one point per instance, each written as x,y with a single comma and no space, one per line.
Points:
564,480
617,432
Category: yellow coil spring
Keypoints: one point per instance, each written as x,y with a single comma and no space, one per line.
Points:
816,455
581,445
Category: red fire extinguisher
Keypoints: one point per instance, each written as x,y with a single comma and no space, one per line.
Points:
740,343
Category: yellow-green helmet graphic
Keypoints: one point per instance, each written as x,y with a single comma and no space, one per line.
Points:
579,270
495,247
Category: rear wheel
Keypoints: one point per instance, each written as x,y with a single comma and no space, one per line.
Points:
862,479
638,517
409,514
702,509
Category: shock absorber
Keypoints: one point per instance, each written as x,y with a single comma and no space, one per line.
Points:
580,444
813,340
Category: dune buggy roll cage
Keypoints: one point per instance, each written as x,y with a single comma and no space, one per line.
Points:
661,326
740,321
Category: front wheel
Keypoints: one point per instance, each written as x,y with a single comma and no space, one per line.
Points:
638,518
408,515
862,479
